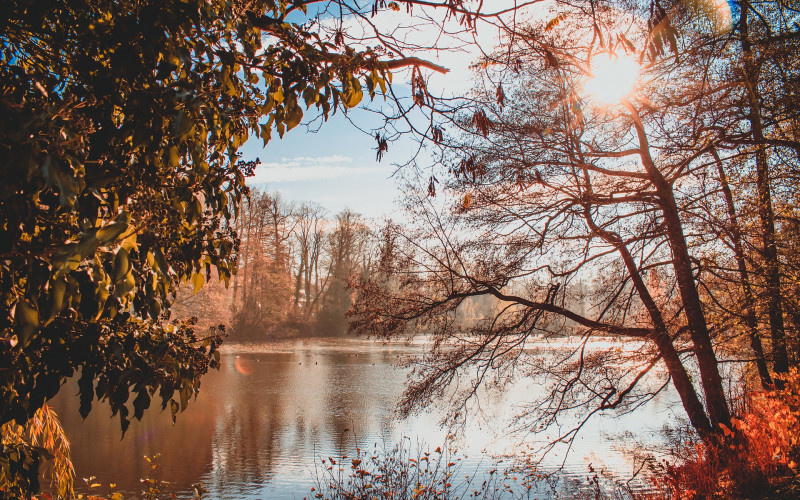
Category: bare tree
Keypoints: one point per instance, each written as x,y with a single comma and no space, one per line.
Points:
263,275
307,237
346,244
553,188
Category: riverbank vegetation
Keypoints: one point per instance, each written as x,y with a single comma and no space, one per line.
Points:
760,458
294,270
293,267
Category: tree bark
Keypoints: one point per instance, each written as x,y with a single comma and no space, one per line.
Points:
766,215
747,293
704,351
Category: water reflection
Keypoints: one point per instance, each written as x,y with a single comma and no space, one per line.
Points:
261,421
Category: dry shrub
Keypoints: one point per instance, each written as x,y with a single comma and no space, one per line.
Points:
406,473
757,458
44,433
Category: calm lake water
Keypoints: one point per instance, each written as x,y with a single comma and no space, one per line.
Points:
274,410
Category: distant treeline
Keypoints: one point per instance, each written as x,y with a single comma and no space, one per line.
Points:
295,260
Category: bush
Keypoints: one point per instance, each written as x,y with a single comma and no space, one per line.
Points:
757,458
406,473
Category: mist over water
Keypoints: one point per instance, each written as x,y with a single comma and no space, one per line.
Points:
262,423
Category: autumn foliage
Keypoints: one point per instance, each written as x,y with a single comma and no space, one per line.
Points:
758,456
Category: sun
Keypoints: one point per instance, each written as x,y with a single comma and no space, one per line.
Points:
612,77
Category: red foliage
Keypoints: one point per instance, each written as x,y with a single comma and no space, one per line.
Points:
757,457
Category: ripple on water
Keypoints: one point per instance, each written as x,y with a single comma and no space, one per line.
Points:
263,421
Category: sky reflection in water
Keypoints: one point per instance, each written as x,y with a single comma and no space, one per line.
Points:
272,410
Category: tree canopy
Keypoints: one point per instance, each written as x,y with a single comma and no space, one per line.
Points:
119,150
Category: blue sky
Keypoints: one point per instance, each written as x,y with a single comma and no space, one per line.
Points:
334,166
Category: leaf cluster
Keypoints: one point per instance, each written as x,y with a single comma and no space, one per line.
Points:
120,159
119,151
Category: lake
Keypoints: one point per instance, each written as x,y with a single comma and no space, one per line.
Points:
273,410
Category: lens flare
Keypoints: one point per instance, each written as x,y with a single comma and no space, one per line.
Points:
717,13
243,365
613,77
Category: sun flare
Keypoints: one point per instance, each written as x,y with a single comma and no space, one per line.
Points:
612,77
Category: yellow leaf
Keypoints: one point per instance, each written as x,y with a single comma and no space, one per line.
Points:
129,243
467,201
122,265
57,291
278,95
198,281
353,95
293,117
109,233
27,314
173,156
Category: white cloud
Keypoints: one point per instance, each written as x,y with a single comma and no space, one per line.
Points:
307,168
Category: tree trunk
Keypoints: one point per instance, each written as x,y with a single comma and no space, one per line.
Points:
680,378
298,282
681,263
747,292
239,262
766,216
